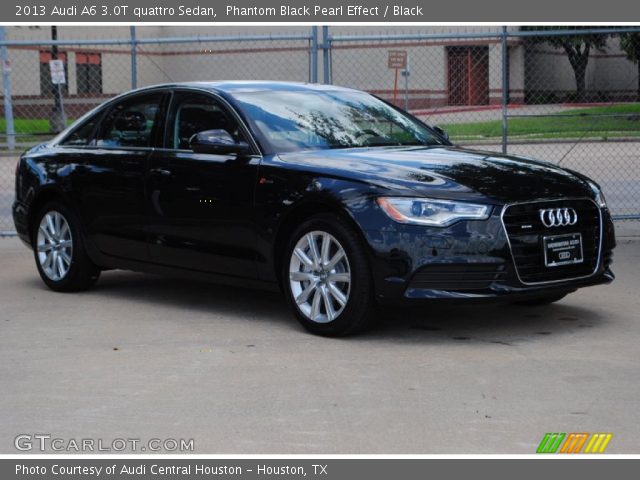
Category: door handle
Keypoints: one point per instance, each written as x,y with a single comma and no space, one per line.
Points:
160,172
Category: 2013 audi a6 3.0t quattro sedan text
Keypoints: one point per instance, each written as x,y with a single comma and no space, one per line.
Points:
332,195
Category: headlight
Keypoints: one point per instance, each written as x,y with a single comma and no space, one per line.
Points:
435,213
599,196
600,200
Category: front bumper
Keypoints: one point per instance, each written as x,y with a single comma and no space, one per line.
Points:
500,291
470,260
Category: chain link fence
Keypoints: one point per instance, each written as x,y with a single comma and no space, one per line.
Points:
100,62
567,95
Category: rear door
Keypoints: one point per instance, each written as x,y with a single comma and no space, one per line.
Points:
201,213
109,177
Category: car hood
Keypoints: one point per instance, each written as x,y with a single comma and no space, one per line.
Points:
445,172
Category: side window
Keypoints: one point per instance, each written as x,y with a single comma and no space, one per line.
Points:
83,135
192,113
130,123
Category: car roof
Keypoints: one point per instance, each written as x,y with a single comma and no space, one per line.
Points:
237,86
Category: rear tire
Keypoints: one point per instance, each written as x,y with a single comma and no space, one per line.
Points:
59,251
326,277
540,301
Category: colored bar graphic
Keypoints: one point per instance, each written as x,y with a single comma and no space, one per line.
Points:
550,442
573,443
581,442
598,443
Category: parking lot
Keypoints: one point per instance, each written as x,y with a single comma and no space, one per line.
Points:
151,357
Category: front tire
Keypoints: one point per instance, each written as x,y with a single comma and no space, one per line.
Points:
59,252
326,277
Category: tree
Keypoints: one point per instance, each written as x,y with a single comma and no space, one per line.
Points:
630,43
577,47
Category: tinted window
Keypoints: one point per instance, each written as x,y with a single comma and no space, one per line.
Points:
193,113
130,123
83,135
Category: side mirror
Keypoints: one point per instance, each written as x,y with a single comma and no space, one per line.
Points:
442,132
217,142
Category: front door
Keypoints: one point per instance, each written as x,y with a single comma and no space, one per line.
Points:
200,205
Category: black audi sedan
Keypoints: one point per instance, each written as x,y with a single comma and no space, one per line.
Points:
332,195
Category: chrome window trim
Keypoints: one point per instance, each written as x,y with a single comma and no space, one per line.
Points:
62,136
183,151
95,147
564,280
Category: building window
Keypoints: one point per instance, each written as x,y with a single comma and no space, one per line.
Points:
46,87
89,72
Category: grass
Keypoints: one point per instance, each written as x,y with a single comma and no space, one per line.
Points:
29,131
27,125
587,124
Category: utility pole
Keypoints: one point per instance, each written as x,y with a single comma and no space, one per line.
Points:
56,121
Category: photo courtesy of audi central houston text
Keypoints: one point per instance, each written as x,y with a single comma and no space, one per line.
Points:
334,196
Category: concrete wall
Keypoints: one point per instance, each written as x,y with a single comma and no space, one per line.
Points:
609,76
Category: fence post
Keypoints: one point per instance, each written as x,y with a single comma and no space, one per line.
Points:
6,91
313,55
326,51
505,87
134,58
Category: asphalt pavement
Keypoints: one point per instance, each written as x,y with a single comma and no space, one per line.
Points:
147,357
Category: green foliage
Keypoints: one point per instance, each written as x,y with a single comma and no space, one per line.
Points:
577,47
578,42
630,44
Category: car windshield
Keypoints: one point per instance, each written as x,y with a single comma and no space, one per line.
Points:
309,120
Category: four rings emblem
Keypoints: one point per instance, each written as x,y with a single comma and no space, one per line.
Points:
558,217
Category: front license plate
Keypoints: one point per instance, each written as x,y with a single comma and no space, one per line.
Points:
563,249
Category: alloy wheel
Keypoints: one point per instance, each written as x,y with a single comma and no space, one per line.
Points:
320,276
54,245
